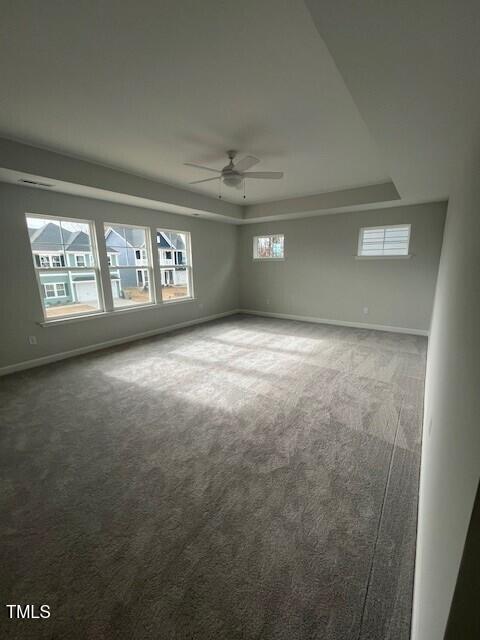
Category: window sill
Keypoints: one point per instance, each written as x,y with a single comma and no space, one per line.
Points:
406,257
268,259
169,302
108,314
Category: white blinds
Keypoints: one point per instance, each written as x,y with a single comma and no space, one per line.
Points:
384,241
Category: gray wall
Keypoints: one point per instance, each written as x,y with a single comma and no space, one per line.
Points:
451,438
215,275
320,277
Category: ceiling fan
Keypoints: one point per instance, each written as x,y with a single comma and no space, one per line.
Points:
233,175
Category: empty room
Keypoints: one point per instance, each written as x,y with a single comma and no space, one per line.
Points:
239,315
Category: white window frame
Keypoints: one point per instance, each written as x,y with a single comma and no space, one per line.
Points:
48,257
63,287
268,258
98,262
148,266
67,269
85,257
55,286
172,266
383,256
53,290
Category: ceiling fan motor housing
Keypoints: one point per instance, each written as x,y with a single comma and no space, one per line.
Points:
231,178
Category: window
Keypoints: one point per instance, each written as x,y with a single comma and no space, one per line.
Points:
55,290
268,247
66,288
175,264
80,260
384,241
49,260
49,290
129,247
60,288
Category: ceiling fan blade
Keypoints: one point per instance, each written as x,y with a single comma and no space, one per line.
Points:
268,175
200,166
205,180
245,163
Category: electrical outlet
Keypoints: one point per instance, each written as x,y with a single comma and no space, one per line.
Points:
200,306
365,311
267,301
32,339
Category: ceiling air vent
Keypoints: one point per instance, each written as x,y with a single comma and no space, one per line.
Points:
35,183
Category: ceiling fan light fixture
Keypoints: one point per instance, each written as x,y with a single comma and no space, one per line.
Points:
232,180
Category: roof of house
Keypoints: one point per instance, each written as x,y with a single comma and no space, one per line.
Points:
51,238
125,237
170,240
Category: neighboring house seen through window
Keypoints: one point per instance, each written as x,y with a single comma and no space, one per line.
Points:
66,286
175,264
129,248
69,275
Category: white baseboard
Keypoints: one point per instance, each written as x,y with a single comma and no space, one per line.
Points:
63,355
341,323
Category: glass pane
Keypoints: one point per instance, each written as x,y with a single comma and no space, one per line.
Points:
172,248
55,243
174,283
68,293
126,246
130,287
269,246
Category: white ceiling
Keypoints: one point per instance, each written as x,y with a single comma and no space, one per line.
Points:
413,69
148,85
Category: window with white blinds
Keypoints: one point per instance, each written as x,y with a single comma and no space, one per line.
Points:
384,241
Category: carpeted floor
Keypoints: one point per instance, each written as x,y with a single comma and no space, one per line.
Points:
245,479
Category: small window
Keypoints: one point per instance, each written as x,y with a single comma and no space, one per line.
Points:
55,290
49,290
67,287
176,280
80,261
268,247
128,247
60,289
384,241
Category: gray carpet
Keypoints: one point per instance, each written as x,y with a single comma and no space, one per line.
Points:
244,479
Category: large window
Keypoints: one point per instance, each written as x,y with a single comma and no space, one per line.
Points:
384,241
268,247
66,287
71,282
128,248
175,264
